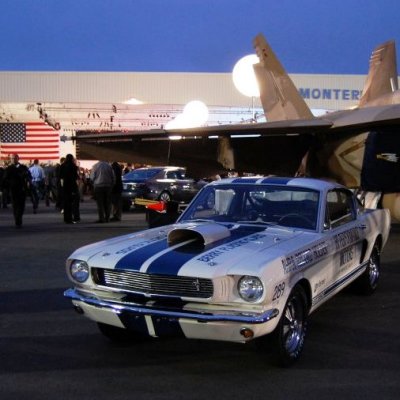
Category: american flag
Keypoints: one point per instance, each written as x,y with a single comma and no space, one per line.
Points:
30,140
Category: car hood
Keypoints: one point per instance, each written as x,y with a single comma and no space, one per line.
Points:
191,249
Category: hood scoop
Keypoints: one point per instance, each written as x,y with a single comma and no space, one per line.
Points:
204,234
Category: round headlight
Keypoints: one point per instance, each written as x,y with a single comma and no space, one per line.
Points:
250,288
79,270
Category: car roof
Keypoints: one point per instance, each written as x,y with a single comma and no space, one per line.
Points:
159,168
306,183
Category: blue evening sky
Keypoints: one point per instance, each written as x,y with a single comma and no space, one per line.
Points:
309,36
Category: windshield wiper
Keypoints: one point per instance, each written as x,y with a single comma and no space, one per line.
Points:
256,222
199,220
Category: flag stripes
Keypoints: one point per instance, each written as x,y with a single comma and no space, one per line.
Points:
29,140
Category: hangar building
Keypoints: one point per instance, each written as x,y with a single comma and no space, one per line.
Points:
320,91
75,100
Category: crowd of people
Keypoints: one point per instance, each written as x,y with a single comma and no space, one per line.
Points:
63,185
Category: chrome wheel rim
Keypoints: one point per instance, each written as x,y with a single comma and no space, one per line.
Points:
373,271
165,197
293,331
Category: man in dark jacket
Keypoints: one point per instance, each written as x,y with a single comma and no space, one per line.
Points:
69,175
2,192
17,180
116,193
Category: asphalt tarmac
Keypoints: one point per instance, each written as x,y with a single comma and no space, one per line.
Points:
47,351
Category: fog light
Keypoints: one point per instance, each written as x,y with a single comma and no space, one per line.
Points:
247,333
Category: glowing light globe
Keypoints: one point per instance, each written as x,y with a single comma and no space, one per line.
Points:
244,77
178,122
194,114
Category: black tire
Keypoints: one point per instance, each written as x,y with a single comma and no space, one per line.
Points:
367,283
119,335
165,196
287,340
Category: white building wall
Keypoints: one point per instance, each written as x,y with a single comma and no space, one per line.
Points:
320,91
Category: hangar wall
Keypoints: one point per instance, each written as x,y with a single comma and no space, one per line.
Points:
320,91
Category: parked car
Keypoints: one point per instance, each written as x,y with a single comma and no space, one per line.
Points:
249,258
158,183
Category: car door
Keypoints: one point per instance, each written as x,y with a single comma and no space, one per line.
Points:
181,187
171,183
160,183
345,235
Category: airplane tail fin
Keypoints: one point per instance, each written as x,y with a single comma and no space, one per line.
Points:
279,96
382,75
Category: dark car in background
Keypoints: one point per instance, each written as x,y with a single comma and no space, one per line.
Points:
158,183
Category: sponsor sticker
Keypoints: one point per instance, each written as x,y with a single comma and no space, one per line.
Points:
209,256
137,246
304,257
346,238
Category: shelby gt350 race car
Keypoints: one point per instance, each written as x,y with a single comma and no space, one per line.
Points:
249,258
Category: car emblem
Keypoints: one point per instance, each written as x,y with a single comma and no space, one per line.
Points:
196,284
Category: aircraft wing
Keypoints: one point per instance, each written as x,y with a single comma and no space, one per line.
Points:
361,120
366,118
274,128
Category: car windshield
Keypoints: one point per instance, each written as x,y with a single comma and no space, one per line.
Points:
141,174
255,204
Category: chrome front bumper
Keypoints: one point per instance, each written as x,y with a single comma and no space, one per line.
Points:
170,313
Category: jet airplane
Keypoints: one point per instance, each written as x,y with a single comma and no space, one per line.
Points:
359,148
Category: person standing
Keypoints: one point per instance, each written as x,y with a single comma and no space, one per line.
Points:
59,189
50,193
127,169
69,175
116,193
17,179
2,171
37,186
103,179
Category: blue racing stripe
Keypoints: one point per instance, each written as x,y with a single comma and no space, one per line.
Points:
167,327
246,180
163,327
135,259
170,263
276,180
136,323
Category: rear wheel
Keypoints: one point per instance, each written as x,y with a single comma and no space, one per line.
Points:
367,283
287,341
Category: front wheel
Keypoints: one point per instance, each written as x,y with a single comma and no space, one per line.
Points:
165,197
287,340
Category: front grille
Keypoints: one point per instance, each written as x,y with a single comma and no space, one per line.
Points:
163,285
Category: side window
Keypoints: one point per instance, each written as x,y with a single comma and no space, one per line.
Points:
172,175
339,208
